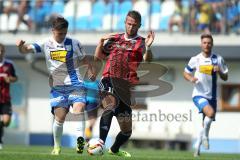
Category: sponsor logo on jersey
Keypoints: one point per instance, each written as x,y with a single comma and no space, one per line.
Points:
59,55
206,69
68,47
57,99
214,61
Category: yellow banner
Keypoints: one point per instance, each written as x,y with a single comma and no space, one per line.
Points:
206,69
59,55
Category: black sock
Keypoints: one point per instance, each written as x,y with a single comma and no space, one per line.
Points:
120,140
1,131
105,123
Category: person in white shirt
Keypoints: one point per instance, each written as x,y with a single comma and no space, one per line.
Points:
64,57
202,70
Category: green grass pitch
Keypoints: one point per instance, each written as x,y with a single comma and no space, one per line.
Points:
16,152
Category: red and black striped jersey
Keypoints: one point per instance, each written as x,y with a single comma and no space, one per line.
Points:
124,57
6,69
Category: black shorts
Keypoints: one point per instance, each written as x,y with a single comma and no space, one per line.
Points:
92,110
6,108
120,89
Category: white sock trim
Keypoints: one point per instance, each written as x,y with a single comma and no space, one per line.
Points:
207,123
57,133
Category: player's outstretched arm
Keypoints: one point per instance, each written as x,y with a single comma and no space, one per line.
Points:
99,55
147,57
23,48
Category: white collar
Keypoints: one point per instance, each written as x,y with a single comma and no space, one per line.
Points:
1,63
128,39
62,43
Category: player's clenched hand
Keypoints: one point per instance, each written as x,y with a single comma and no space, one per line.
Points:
108,36
216,69
194,80
7,79
150,38
20,43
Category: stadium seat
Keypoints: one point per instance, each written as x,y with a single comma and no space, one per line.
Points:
12,21
155,11
163,25
4,22
124,7
167,10
142,6
84,10
155,6
110,16
99,7
98,11
69,14
57,7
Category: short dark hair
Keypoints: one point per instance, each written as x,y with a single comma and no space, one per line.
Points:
207,35
59,23
135,15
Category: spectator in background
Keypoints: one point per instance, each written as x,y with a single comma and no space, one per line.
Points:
217,20
204,17
21,7
177,17
232,16
7,76
38,14
193,14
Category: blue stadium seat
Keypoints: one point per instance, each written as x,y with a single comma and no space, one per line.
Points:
124,7
110,16
155,6
163,26
69,14
120,23
57,7
143,7
96,22
99,7
82,23
83,14
155,10
112,8
71,23
98,11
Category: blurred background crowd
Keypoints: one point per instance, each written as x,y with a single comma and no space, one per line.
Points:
185,16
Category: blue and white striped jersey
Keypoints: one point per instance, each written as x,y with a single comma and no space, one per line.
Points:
63,60
206,86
